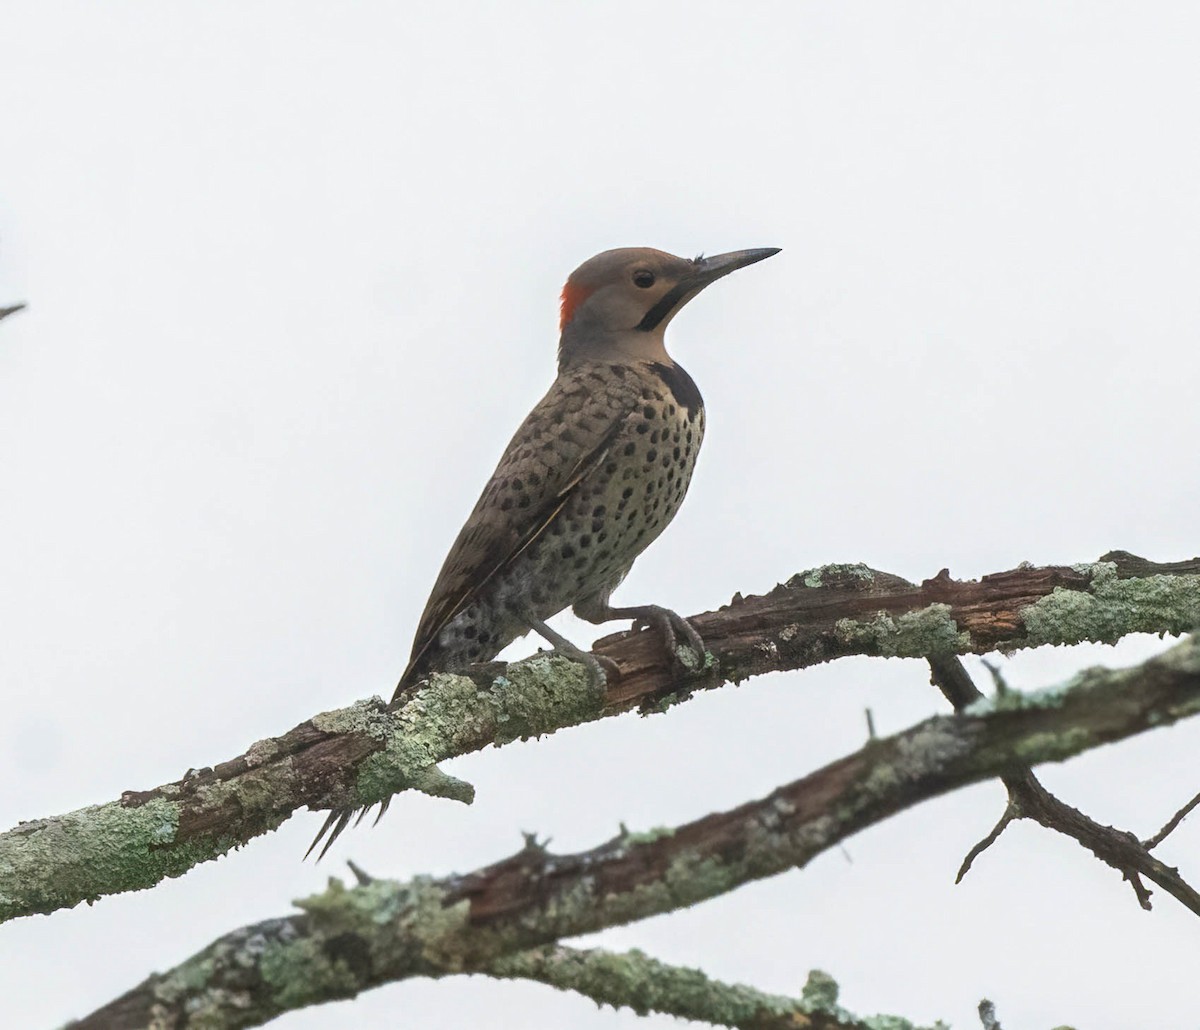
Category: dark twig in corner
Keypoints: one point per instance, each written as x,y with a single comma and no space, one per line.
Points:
1028,799
5,312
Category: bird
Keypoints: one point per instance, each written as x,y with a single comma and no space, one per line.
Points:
589,480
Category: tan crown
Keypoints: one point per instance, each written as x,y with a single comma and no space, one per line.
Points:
617,305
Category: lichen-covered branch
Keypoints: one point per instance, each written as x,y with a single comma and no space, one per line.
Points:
347,940
634,980
363,754
1028,799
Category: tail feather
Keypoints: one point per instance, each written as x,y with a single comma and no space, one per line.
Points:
335,823
338,820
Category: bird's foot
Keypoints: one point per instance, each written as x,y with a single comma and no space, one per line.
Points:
601,670
676,634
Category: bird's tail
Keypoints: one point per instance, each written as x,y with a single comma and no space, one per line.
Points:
337,820
416,671
424,661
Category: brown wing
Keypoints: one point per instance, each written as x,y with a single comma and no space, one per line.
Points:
563,438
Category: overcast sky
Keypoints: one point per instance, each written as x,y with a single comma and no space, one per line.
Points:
292,273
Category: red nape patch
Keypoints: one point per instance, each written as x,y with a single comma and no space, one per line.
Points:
572,296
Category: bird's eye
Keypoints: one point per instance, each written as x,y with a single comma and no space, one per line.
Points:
643,278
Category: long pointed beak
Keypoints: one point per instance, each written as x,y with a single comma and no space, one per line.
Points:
706,271
710,269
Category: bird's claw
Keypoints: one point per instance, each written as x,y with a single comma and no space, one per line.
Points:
688,631
601,670
674,630
612,671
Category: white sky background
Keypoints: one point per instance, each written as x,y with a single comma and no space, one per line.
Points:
293,271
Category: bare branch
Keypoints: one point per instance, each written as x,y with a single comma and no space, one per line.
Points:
348,940
5,312
363,754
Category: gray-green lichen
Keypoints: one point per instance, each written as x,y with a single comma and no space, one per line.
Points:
107,849
103,849
302,972
815,578
688,879
385,930
820,994
634,980
663,703
451,716
405,927
367,716
918,634
930,746
647,836
347,942
544,694
1112,607
1052,746
695,664
1180,661
820,991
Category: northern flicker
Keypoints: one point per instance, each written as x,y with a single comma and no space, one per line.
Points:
592,476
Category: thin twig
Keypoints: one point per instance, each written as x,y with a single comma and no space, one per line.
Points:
1010,813
1173,822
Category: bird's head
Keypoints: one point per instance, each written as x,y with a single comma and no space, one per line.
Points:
616,306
